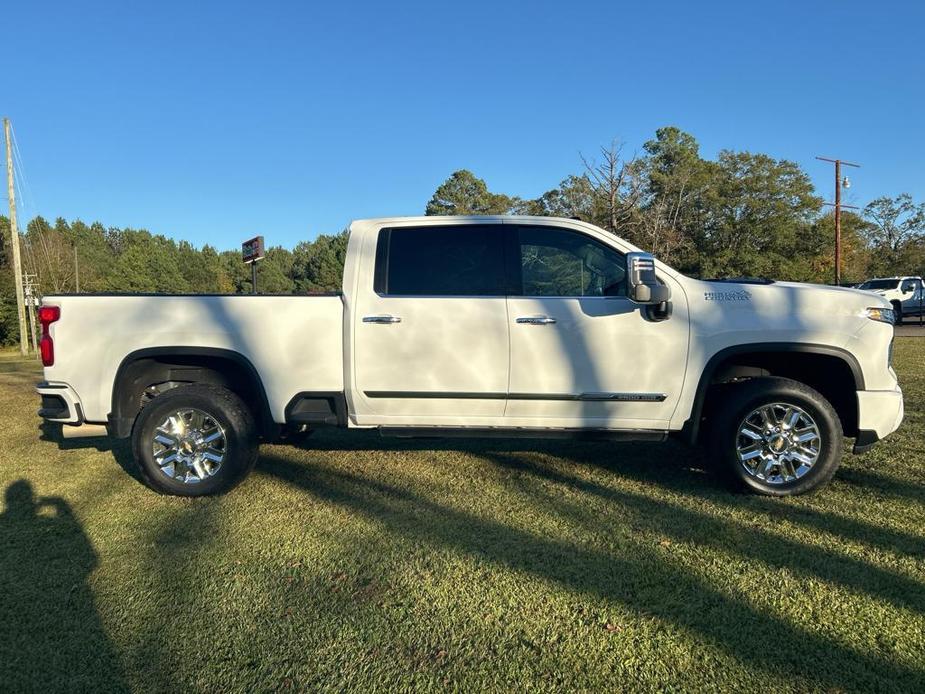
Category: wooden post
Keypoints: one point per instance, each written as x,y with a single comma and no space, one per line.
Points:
837,223
14,242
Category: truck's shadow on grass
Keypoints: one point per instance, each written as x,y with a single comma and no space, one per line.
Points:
867,482
675,465
645,580
121,449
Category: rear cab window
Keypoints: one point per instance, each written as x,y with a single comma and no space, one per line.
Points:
880,284
453,260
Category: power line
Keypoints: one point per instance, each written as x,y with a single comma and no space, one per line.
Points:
18,162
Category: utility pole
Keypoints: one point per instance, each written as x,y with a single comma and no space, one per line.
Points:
838,206
76,271
14,242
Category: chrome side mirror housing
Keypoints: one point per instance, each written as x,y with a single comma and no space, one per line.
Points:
642,285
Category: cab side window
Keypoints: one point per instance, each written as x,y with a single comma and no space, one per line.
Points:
456,260
564,263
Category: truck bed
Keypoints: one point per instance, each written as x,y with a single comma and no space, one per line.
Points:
289,340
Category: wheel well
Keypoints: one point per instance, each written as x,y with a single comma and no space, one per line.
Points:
830,374
144,374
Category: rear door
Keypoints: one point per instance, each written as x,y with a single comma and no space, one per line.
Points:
431,330
582,353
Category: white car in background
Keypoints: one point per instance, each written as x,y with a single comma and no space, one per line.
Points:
906,294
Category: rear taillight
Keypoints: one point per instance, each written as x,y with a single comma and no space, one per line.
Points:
47,316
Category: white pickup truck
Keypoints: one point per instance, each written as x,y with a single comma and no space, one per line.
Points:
905,294
481,326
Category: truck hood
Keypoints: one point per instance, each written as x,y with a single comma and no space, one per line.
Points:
849,294
775,301
879,292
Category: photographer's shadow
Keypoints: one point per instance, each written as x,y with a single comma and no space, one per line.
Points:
51,637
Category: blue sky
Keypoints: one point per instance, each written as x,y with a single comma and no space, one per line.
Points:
217,121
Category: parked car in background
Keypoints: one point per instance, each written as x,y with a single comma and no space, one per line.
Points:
906,294
484,327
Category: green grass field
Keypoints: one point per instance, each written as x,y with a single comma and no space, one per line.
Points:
367,564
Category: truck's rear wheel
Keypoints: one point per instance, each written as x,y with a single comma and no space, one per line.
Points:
777,437
195,440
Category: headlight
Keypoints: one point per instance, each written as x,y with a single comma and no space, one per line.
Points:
884,315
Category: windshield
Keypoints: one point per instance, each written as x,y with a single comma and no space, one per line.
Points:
880,284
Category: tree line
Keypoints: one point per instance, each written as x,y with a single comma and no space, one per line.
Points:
65,257
741,214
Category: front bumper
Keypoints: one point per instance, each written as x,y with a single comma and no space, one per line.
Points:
60,403
880,412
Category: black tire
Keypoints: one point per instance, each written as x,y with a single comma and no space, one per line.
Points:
744,398
221,405
897,313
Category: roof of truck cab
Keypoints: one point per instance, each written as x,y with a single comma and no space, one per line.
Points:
436,219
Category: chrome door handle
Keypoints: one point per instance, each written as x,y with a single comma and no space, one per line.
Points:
537,320
381,319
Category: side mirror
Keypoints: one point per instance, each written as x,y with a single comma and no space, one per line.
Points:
642,285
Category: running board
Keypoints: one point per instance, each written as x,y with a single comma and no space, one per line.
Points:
524,433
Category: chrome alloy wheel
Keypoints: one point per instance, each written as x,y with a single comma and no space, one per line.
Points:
778,443
189,446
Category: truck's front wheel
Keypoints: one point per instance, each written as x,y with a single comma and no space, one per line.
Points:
195,440
777,437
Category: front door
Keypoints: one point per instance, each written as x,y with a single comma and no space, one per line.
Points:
431,331
583,354
912,296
